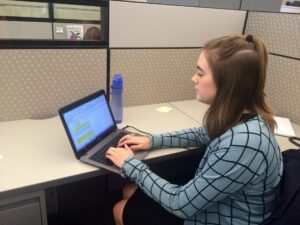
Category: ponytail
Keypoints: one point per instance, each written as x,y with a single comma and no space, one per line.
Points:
260,99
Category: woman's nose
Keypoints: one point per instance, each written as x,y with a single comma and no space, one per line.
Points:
194,79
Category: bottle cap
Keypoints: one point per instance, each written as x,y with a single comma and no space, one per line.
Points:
117,81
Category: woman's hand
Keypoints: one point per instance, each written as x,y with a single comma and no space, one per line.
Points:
135,142
119,155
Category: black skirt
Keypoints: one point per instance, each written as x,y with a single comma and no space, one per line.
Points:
141,209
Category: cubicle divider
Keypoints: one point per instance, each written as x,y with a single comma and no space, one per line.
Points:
25,30
283,86
281,34
155,75
279,30
137,25
157,55
36,82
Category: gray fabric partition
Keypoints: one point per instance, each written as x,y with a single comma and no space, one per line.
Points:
262,5
176,2
224,4
282,88
280,32
36,82
155,75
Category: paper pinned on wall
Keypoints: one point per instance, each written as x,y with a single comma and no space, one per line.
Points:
164,109
59,30
284,127
75,32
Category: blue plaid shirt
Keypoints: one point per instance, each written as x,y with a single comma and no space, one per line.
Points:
236,182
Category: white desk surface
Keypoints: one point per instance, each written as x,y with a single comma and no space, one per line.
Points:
196,110
37,154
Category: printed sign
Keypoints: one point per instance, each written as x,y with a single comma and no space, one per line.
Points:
75,32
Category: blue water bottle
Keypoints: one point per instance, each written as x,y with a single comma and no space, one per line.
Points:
116,98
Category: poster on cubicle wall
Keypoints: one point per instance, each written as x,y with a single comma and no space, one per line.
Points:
75,32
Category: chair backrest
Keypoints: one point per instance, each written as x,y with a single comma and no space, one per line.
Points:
287,211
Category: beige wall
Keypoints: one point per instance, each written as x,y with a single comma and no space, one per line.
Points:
23,9
25,30
138,25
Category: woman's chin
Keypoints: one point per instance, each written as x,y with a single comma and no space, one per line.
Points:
205,101
199,99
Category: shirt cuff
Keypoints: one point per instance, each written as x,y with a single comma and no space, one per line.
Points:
131,168
123,169
156,141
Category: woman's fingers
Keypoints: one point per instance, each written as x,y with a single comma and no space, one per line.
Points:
124,140
119,155
135,142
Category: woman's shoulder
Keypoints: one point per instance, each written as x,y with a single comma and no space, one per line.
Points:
253,124
253,128
252,132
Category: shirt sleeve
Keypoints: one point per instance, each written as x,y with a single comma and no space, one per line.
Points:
183,138
226,171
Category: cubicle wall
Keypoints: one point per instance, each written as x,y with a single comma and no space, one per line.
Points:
155,75
262,5
25,30
252,5
157,55
36,82
33,20
137,25
281,34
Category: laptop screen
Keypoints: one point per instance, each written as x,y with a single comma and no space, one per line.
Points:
88,121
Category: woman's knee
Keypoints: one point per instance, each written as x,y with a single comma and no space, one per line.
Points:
118,211
128,190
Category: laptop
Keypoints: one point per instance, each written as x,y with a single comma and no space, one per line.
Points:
91,130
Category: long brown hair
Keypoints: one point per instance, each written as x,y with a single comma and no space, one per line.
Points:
239,66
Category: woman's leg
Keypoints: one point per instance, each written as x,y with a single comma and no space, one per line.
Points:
118,211
128,191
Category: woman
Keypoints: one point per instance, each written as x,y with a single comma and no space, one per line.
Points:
238,177
92,34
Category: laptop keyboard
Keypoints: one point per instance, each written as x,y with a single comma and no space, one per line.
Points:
100,157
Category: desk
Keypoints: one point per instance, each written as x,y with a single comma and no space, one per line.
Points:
37,154
196,110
